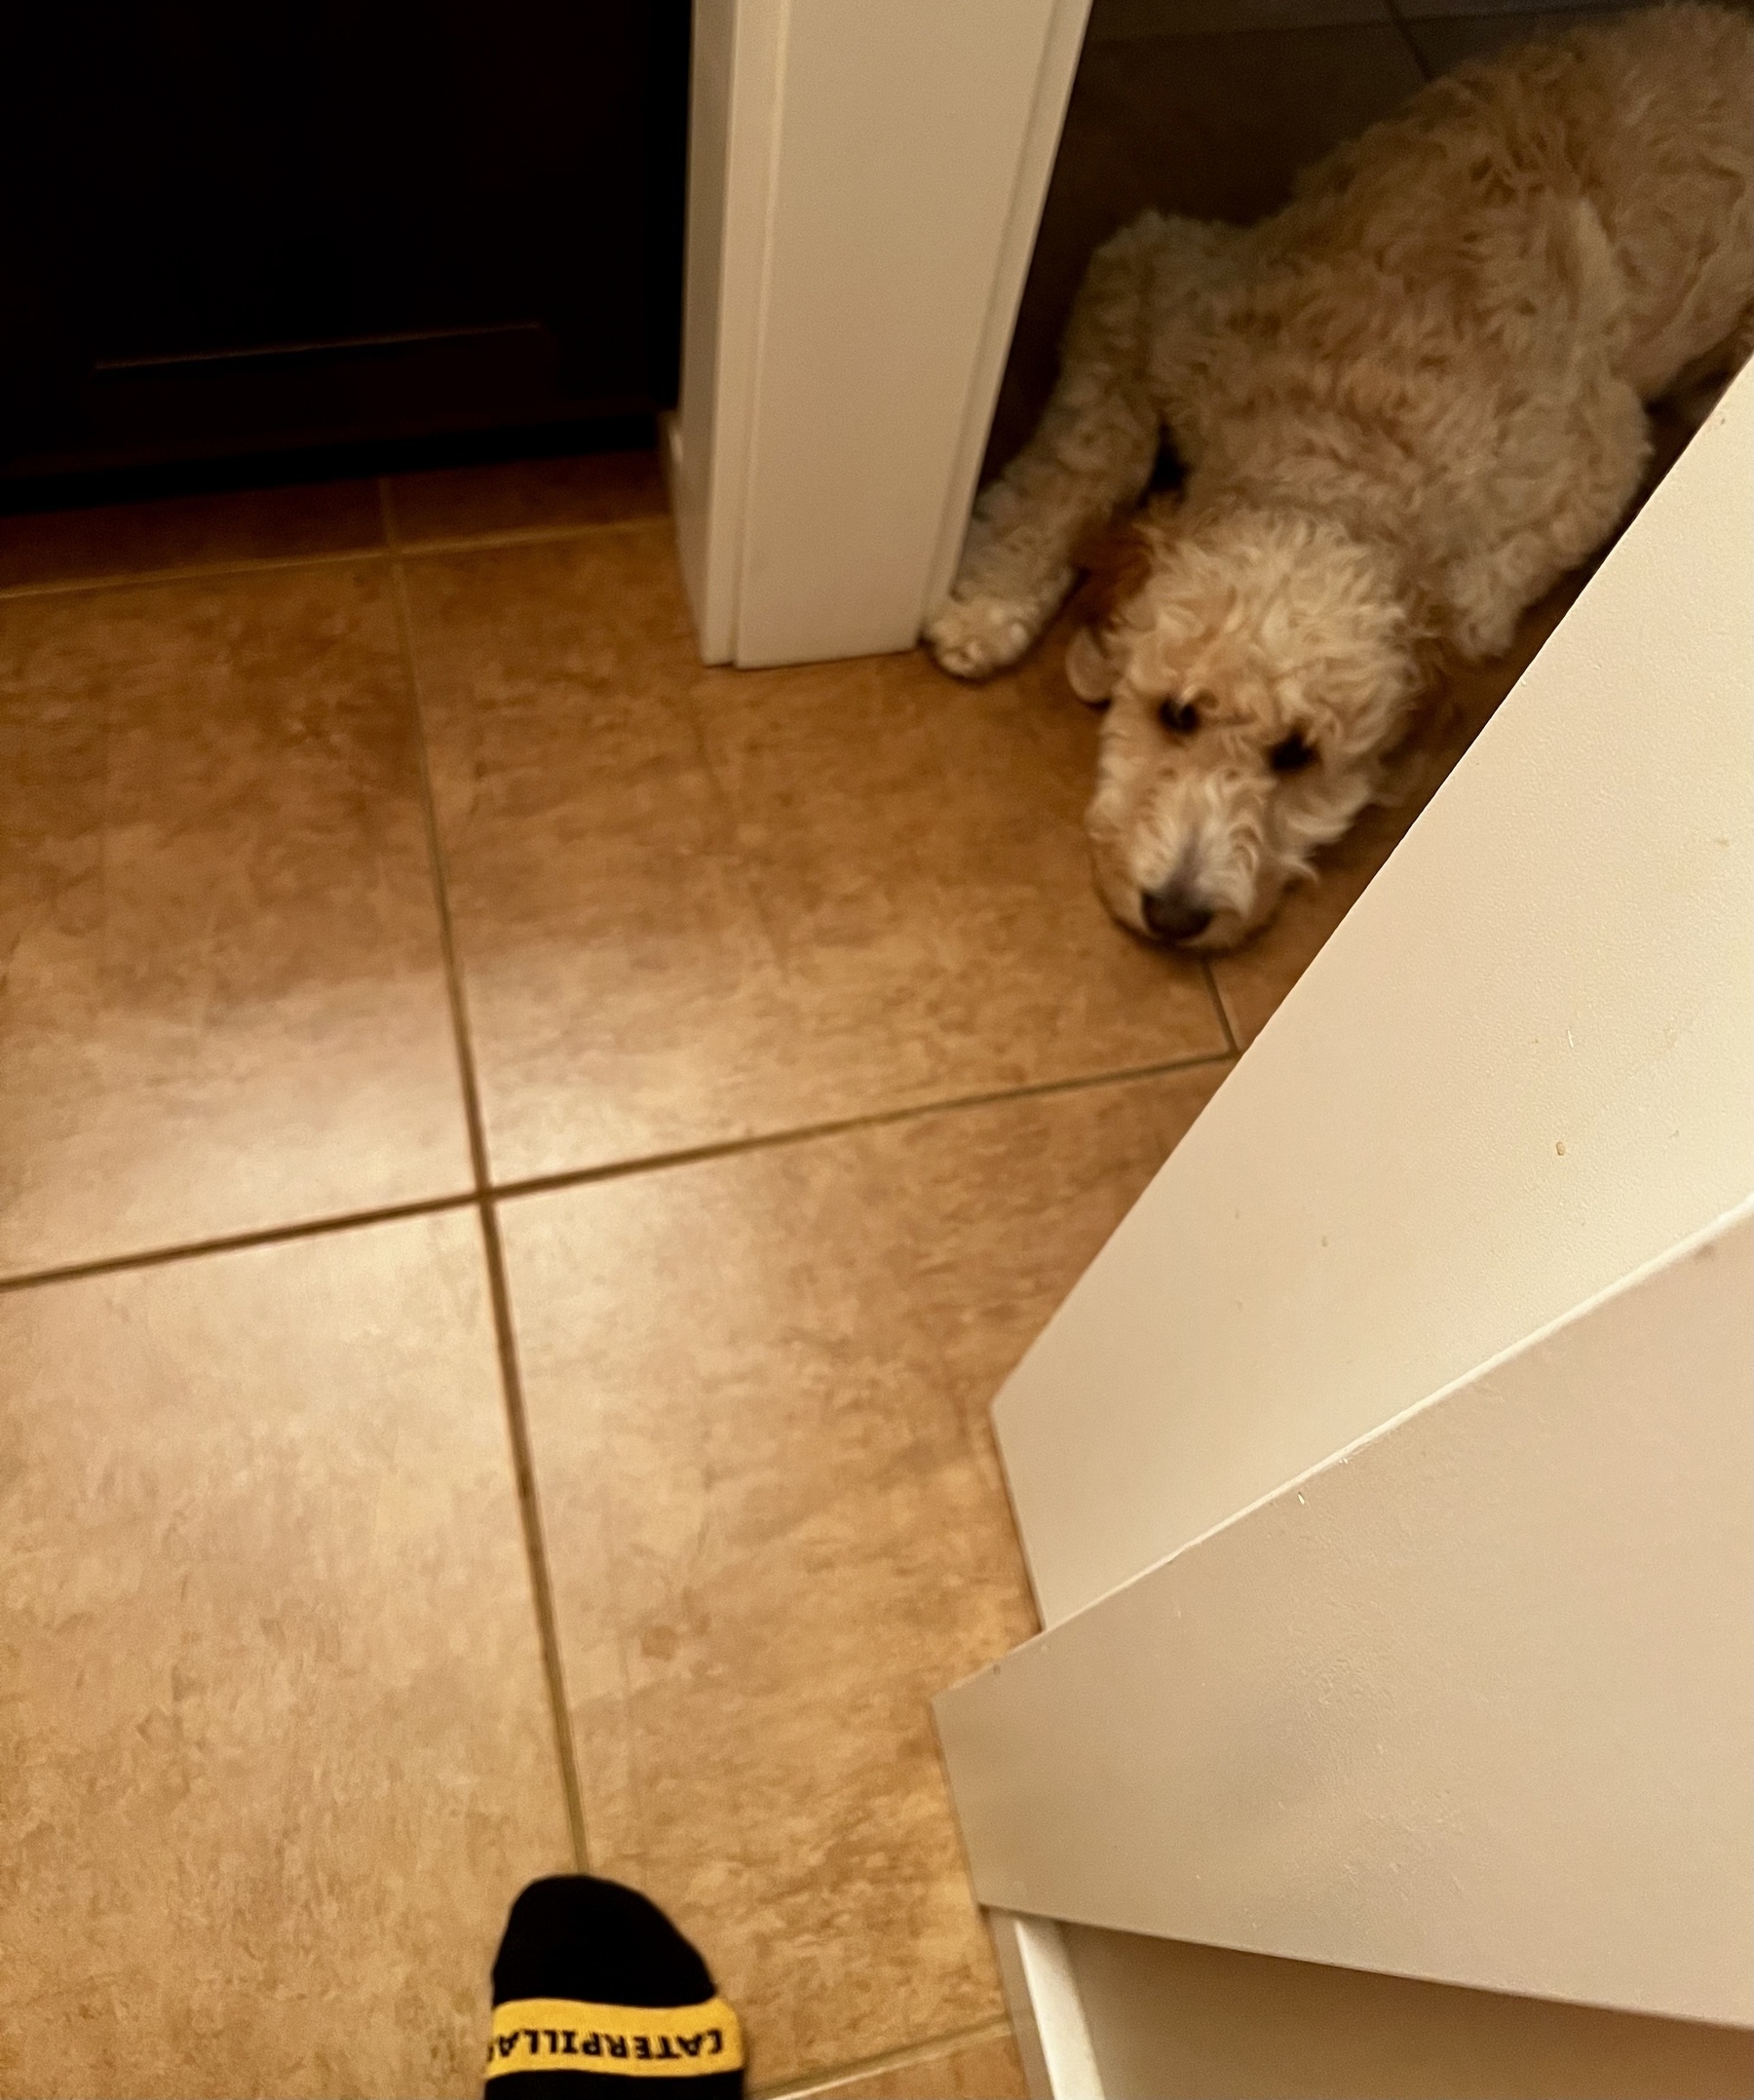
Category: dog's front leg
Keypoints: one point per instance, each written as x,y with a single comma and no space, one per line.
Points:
1093,452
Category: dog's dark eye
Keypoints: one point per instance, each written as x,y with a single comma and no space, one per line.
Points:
1180,717
1292,754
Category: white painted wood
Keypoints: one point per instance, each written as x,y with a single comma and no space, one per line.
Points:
1472,1702
1173,2021
1518,1070
864,187
733,97
1067,24
1020,2001
1047,2012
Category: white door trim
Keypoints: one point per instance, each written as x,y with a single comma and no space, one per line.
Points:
865,189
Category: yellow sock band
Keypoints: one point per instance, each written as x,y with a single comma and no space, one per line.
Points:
624,2041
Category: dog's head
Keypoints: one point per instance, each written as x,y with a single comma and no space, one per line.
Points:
1258,666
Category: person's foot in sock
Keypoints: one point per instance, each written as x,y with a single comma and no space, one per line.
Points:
594,1986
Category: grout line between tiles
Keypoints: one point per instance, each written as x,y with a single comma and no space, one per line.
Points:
218,571
731,1148
529,534
542,1589
346,1221
193,572
903,2059
1224,1020
267,1236
386,497
1408,37
493,1253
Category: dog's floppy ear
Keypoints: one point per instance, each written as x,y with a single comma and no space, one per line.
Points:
1115,561
1088,671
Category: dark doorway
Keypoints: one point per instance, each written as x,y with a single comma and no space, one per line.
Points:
246,233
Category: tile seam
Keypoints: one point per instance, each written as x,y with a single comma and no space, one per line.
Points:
1224,1017
1408,40
731,1148
511,1394
340,558
903,2058
341,1221
240,1243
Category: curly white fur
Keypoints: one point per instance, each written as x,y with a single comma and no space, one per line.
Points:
1407,405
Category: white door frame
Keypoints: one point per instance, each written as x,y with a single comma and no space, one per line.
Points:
865,188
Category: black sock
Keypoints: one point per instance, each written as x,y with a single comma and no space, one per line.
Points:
594,1987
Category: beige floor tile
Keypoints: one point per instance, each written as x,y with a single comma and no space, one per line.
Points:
697,904
1214,127
757,1391
526,495
223,1007
1133,19
1424,10
279,1752
180,532
988,2069
1256,979
1446,40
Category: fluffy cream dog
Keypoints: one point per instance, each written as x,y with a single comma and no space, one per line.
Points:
1406,405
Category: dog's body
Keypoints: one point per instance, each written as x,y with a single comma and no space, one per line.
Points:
1406,405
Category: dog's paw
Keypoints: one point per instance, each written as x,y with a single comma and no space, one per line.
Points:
974,637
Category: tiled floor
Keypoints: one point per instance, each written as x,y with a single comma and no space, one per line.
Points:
523,1163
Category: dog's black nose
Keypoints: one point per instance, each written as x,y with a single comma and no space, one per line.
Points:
1172,914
